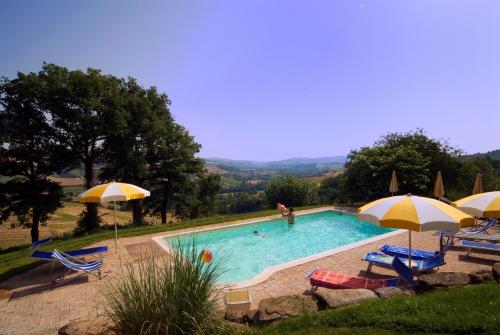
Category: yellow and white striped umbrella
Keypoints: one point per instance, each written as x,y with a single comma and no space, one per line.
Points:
482,205
113,192
414,213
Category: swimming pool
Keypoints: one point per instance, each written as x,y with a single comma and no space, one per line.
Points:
250,249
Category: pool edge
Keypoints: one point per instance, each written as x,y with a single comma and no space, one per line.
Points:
268,272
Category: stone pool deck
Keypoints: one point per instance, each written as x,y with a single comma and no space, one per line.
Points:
30,304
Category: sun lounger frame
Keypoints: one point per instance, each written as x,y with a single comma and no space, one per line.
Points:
470,245
75,264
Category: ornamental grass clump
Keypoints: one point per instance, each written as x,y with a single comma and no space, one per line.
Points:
174,295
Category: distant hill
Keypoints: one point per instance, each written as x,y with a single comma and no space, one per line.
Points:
494,155
300,166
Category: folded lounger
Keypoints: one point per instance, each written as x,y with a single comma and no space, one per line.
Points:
375,258
75,264
460,234
481,229
47,255
394,250
329,279
479,245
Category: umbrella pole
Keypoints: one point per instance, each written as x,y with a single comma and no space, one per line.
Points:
409,249
116,230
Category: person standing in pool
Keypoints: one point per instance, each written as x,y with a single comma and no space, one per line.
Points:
289,213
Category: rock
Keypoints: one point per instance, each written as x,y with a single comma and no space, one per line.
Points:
236,316
98,326
252,315
272,309
496,271
480,276
388,292
338,298
442,279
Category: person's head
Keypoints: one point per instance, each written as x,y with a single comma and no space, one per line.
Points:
255,232
291,209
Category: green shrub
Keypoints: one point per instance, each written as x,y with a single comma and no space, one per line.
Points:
290,191
174,295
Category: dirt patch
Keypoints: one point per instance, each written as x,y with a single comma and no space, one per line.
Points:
67,181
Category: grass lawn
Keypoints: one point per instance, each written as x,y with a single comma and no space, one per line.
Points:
466,310
17,261
62,221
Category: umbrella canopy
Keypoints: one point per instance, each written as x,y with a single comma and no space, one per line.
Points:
482,205
113,192
414,213
478,185
438,186
393,186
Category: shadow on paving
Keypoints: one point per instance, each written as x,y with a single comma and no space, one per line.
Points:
79,279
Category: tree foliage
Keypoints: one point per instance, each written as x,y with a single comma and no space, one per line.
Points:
329,190
84,107
416,158
57,119
28,154
290,191
241,202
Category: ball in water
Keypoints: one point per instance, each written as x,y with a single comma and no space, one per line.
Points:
206,256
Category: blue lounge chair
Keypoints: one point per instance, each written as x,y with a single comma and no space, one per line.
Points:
421,265
394,250
404,272
47,255
75,264
39,243
481,229
459,234
479,245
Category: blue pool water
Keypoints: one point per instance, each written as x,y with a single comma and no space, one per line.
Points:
246,254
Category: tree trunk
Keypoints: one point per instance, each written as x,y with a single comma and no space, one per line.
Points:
164,203
137,212
91,221
35,233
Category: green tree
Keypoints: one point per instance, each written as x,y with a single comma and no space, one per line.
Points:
145,119
208,187
290,191
329,190
172,166
416,159
441,155
28,154
368,172
470,168
84,107
241,202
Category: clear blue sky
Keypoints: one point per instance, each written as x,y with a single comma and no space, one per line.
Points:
268,80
